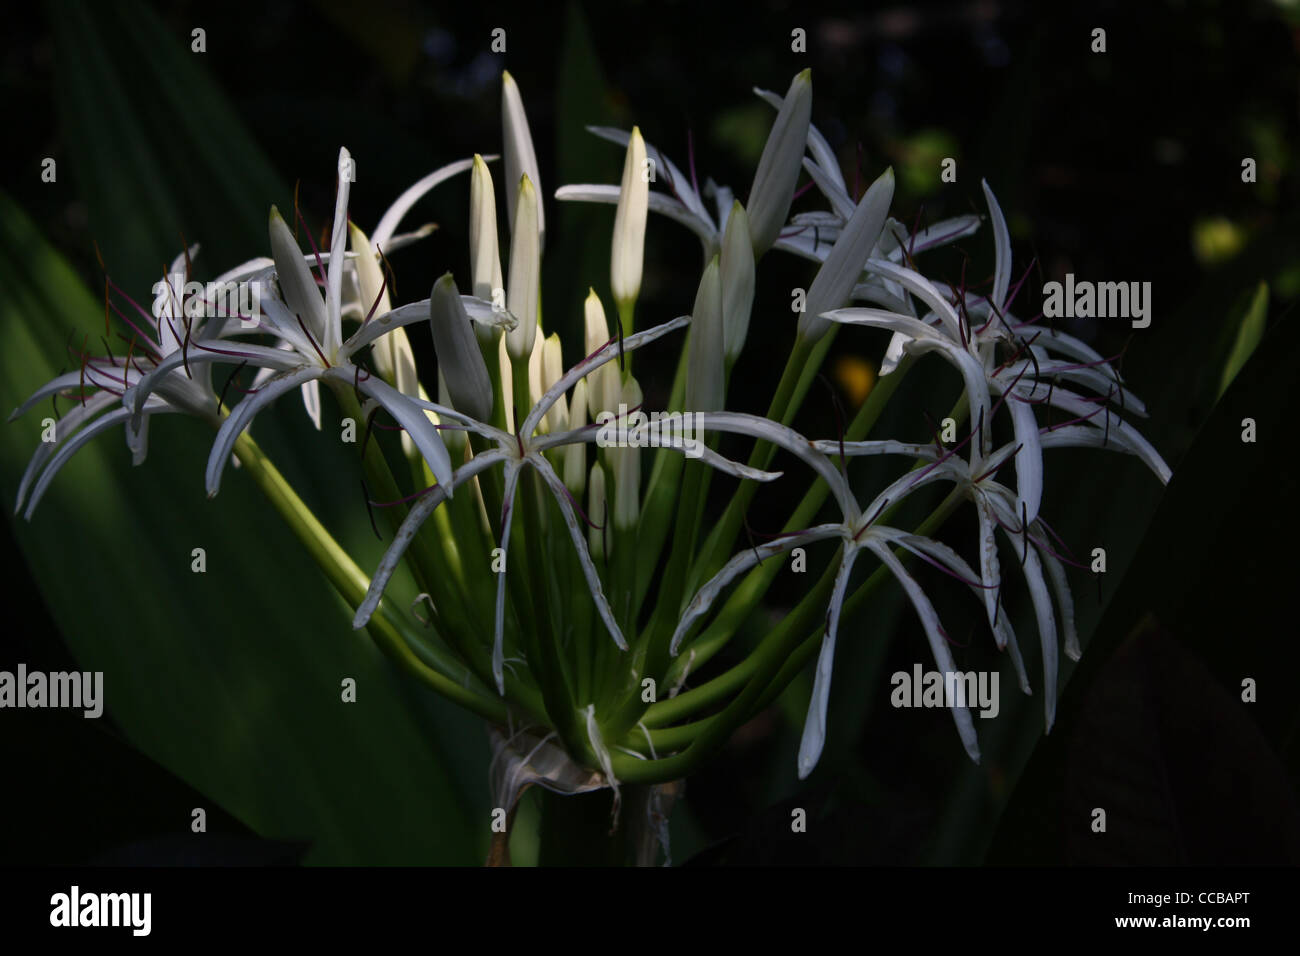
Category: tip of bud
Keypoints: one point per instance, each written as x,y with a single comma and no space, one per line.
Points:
507,78
805,76
275,214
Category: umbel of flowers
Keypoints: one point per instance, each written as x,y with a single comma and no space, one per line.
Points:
578,586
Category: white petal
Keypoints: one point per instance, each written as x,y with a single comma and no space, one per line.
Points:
64,428
392,218
1029,459
737,566
1002,246
923,289
294,276
408,413
338,244
70,447
659,203
814,726
410,526
676,179
242,415
499,628
938,644
793,442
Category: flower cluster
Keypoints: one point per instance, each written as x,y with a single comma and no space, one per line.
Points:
575,589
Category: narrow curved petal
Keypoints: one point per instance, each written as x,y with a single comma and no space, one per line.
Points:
561,495
410,526
242,415
738,565
658,203
64,428
499,627
1002,247
813,739
923,289
392,218
1114,430
311,400
407,412
1029,459
334,271
934,633
785,437
1064,602
679,182
70,447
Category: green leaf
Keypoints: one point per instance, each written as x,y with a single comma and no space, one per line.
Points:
1249,333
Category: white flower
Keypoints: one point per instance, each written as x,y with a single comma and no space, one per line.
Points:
186,388
858,530
311,329
1027,378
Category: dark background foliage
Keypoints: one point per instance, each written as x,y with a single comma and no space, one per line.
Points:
1116,166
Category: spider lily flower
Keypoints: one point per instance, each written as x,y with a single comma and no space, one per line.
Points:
857,531
520,157
627,250
737,273
1024,382
526,447
998,508
310,327
778,168
103,386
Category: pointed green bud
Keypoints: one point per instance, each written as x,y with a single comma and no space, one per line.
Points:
525,272
737,272
575,455
704,361
520,158
627,251
626,462
603,385
557,417
778,168
484,249
392,353
843,266
459,358
597,511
